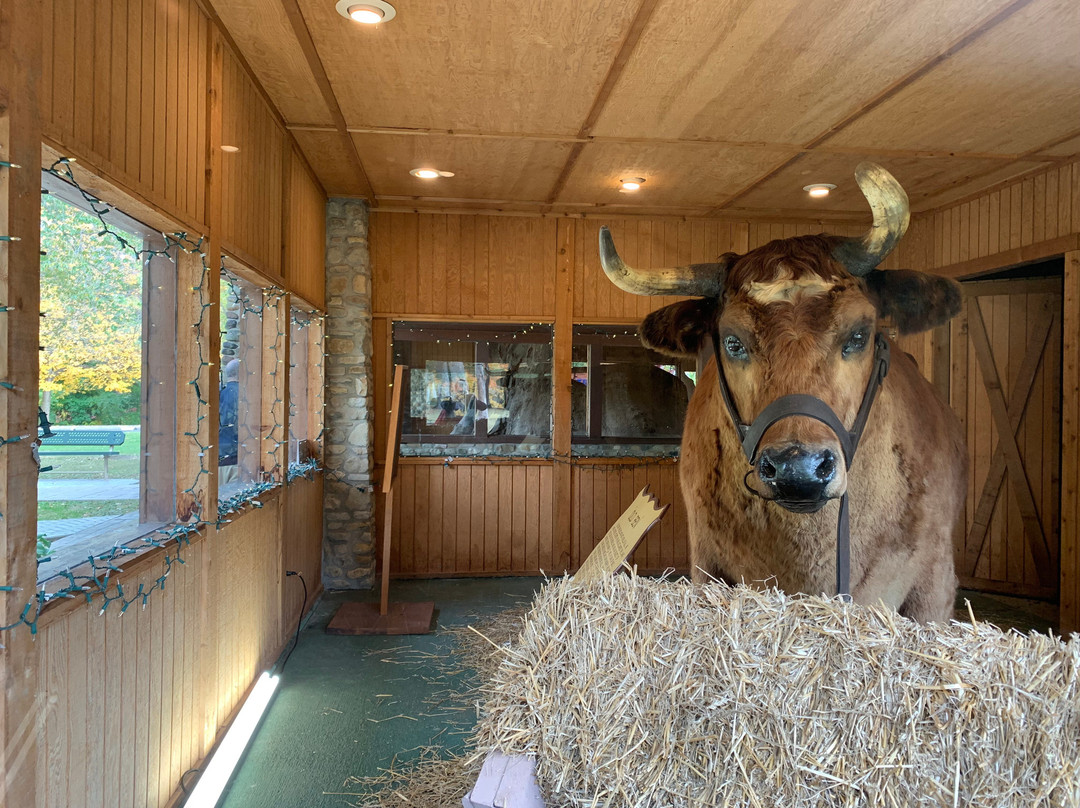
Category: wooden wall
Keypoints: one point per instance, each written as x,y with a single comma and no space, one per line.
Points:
143,94
1035,217
305,232
483,517
123,87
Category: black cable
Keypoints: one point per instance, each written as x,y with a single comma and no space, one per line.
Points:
183,785
299,620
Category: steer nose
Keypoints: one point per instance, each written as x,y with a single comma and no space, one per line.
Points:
798,476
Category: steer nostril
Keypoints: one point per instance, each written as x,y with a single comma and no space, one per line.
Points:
827,467
766,469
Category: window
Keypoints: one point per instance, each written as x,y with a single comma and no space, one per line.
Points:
107,420
305,389
626,399
475,389
241,461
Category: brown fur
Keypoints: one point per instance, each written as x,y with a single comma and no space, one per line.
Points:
908,480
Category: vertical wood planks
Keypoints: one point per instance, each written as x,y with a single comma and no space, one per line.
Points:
1069,609
305,239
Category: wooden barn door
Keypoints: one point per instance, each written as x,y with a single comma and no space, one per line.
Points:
1005,384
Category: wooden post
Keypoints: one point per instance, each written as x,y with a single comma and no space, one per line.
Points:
20,215
274,347
393,441
563,339
1069,605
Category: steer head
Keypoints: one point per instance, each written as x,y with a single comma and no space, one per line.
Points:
799,315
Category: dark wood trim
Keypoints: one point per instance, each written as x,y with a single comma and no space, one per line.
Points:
970,270
315,65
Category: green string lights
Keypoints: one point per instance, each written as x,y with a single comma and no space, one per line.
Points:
94,576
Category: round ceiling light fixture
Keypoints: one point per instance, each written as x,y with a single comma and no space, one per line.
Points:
819,189
368,12
430,173
630,184
230,149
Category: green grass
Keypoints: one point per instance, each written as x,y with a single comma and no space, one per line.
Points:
79,508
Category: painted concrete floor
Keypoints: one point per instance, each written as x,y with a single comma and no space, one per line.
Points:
355,705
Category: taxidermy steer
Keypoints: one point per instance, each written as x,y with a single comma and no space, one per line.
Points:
799,318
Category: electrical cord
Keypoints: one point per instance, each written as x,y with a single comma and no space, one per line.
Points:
299,620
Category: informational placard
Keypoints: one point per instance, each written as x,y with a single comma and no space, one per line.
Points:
619,542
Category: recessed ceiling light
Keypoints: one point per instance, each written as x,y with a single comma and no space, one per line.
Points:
631,184
819,188
430,173
369,12
230,149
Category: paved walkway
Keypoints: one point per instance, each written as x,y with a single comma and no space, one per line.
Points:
52,490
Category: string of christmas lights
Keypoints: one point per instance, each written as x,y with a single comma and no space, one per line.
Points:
94,576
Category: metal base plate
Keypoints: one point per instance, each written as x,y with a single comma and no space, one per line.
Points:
400,618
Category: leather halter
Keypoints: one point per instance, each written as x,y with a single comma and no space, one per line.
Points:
750,435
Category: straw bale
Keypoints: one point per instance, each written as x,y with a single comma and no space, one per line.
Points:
639,692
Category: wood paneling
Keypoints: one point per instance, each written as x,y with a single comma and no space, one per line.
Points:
1035,217
251,177
123,87
128,696
305,233
128,704
449,266
20,216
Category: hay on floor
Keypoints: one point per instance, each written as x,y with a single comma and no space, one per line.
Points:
638,692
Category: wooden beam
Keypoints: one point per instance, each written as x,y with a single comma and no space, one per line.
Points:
562,382
1010,258
274,347
20,216
633,36
1036,538
307,45
1069,604
749,145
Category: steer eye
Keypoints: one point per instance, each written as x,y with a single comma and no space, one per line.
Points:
734,347
856,342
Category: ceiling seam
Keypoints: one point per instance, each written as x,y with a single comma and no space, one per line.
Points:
311,55
967,39
633,36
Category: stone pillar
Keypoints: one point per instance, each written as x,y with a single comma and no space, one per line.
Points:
349,540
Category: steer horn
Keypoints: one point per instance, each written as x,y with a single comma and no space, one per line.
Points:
698,280
891,216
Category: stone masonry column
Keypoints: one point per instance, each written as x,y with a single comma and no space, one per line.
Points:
349,539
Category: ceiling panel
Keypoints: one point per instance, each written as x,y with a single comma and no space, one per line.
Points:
1014,89
677,175
487,65
920,177
775,70
327,154
1067,148
265,36
484,168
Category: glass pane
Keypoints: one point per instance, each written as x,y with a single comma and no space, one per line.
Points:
475,389
107,406
240,397
626,399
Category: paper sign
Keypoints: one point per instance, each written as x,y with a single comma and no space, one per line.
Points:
625,535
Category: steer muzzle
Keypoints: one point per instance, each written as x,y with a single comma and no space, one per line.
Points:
801,478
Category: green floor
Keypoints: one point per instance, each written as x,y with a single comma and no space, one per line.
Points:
346,705
351,706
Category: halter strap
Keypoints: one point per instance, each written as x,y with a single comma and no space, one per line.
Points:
750,435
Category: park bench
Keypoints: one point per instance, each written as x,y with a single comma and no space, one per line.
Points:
84,437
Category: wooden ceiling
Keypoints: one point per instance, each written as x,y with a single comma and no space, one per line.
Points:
726,107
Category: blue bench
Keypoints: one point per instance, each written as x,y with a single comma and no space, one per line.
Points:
84,437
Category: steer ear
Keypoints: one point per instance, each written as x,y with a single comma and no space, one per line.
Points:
914,301
681,328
